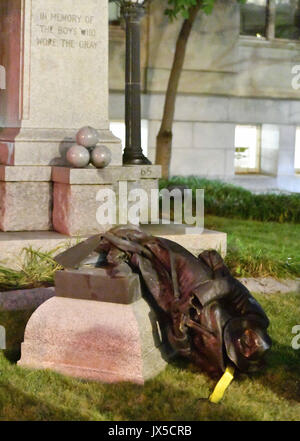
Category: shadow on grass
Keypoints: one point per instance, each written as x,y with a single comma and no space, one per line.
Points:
282,373
177,394
17,405
174,399
162,402
14,323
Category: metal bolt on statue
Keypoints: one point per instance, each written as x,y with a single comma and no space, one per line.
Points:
208,315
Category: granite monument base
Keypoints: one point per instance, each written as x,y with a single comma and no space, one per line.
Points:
92,339
42,198
25,198
42,147
76,195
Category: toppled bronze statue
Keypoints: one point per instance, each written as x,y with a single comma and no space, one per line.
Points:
210,317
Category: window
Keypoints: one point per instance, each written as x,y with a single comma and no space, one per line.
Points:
118,129
297,151
254,17
271,19
287,19
247,149
114,13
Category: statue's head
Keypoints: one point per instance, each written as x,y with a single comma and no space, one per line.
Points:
246,343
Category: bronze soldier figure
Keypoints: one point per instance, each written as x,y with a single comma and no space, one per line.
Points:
211,318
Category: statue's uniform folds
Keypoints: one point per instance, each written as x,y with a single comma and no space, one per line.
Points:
209,316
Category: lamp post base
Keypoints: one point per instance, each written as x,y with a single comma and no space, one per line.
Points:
136,160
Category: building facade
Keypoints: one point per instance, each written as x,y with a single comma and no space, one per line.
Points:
238,106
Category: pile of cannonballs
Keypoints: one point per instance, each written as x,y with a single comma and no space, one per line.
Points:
88,150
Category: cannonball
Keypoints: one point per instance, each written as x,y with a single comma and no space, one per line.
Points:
101,156
78,156
87,137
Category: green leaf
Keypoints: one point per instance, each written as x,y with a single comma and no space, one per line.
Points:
185,13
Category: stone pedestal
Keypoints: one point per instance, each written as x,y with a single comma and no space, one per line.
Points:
96,340
75,201
25,198
56,62
30,194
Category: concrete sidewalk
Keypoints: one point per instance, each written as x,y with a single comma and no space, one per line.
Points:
263,183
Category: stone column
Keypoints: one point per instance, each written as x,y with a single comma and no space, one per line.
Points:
269,155
55,55
286,160
287,179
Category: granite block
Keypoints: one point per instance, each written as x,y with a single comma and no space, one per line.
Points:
25,173
75,208
91,175
97,284
99,341
25,206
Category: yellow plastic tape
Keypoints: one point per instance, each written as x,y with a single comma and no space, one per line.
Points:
222,385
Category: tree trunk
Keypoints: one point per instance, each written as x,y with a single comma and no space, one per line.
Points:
164,137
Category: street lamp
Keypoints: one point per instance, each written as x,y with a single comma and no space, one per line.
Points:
133,11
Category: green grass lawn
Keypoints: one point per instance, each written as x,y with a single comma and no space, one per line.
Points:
178,393
260,248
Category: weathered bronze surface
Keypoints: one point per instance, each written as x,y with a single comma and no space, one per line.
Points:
209,316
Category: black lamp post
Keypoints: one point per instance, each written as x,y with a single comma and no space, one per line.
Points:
133,11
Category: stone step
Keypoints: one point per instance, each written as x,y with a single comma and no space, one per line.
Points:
12,243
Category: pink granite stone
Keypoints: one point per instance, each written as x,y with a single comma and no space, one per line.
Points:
75,208
88,339
25,206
